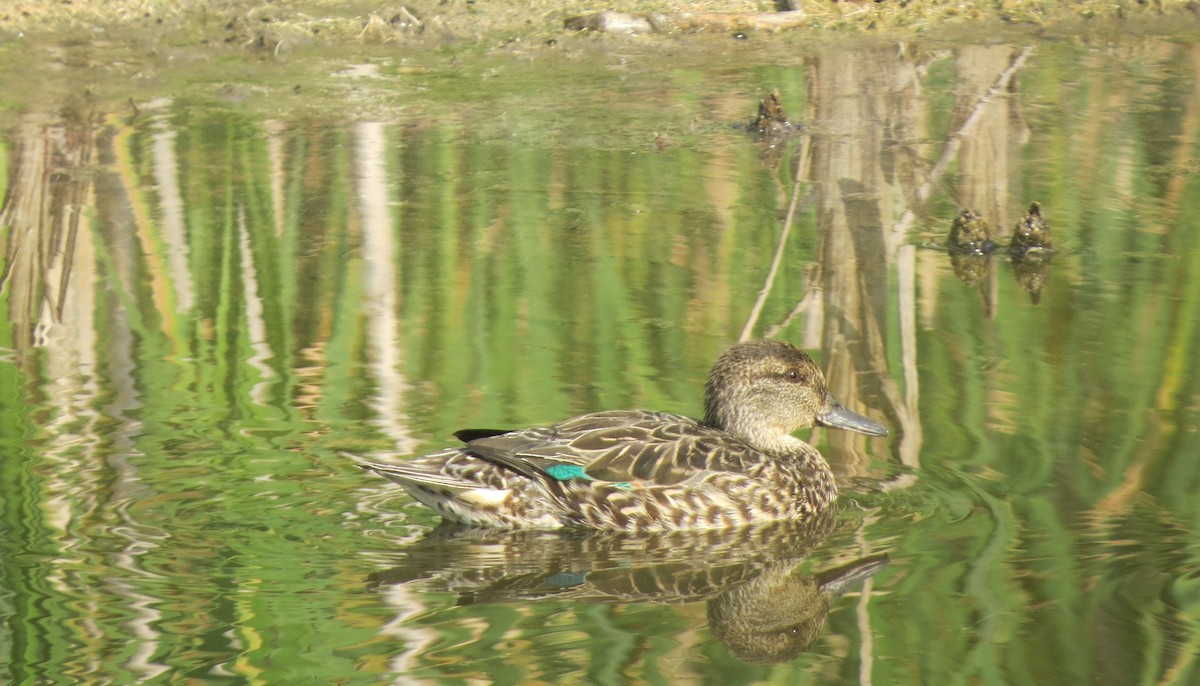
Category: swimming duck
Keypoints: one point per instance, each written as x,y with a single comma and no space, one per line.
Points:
636,470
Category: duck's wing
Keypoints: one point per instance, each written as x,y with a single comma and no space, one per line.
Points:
449,470
468,435
650,448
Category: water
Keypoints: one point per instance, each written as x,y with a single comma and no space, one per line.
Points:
209,295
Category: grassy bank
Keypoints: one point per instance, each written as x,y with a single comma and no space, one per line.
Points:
288,22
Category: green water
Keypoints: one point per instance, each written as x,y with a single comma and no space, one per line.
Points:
211,293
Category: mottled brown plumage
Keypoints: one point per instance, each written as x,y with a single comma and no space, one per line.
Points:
652,471
777,615
758,606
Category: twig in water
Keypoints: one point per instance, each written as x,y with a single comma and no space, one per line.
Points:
902,226
783,236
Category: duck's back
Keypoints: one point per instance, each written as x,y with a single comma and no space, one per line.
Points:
626,446
649,471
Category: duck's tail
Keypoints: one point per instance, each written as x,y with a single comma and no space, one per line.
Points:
413,474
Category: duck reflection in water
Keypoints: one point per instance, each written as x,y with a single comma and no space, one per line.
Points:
756,606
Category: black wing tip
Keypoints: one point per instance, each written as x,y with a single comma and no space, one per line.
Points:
468,435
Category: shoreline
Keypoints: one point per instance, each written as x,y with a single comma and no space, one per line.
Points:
487,22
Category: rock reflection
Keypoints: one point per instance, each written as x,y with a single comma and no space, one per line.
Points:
756,606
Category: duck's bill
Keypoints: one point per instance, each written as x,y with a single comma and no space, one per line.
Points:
838,417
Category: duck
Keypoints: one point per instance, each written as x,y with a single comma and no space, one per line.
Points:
646,471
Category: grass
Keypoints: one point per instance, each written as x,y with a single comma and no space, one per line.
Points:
122,51
282,22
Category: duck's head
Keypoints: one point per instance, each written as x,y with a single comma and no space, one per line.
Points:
762,391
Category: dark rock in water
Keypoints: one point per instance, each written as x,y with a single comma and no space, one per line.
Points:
970,234
1031,233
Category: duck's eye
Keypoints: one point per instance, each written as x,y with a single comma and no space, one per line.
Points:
793,376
